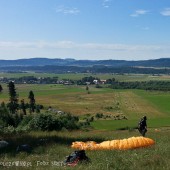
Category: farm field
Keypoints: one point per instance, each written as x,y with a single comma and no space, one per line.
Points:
75,99
78,76
132,104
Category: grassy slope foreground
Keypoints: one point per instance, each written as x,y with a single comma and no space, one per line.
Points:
58,144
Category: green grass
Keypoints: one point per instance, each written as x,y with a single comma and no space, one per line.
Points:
124,77
40,90
113,124
132,103
159,99
58,147
123,124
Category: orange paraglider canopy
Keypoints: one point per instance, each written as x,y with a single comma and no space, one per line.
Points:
130,143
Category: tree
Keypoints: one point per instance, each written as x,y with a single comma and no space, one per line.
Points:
110,81
23,106
31,101
13,100
87,89
1,88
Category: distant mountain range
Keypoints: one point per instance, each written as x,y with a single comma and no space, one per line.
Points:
46,65
163,62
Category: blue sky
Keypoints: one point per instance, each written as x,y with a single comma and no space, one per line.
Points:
85,29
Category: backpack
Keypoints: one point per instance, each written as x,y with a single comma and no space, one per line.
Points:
23,148
75,157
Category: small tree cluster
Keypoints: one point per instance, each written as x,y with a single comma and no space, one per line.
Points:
50,122
9,113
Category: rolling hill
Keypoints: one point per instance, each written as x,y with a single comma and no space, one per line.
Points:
163,62
157,66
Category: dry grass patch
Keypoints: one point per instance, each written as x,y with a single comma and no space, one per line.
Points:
132,103
81,103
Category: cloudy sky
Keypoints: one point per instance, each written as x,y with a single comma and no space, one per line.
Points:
85,29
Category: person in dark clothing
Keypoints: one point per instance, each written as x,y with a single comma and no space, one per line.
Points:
142,126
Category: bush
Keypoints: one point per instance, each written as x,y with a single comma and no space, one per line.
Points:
99,115
49,122
69,122
24,125
98,86
45,122
7,118
8,130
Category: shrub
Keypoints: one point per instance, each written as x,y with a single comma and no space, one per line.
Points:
99,115
50,122
69,122
24,125
98,86
8,130
45,122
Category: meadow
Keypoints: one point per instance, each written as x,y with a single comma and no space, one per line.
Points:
51,154
78,76
133,104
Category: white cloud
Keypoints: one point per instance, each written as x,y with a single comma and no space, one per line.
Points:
166,12
145,28
73,45
106,3
91,51
139,12
67,10
36,45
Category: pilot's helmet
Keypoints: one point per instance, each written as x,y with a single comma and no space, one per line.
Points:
144,117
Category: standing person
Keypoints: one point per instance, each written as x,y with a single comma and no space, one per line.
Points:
142,126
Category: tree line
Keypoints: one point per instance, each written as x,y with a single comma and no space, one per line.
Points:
145,85
112,82
87,69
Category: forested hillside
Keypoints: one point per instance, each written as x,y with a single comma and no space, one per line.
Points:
163,62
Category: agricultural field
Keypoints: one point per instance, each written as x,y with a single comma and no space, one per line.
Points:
78,76
132,104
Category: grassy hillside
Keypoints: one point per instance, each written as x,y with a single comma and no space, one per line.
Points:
58,147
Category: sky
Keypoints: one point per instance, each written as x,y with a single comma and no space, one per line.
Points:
85,29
